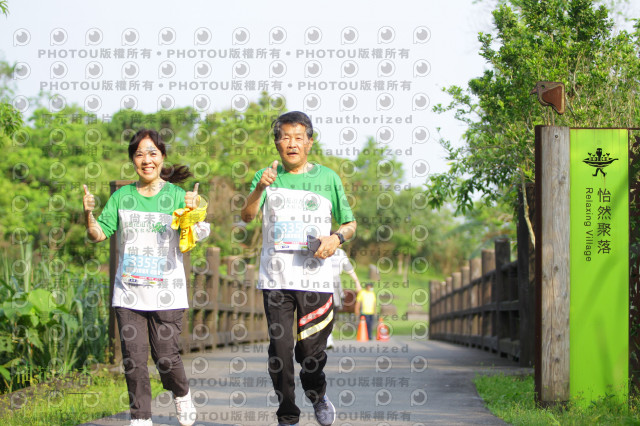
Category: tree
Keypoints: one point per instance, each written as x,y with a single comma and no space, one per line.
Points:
571,41
10,117
372,181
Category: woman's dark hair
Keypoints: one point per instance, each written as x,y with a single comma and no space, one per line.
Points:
292,117
173,174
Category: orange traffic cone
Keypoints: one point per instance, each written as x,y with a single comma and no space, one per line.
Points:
363,334
383,331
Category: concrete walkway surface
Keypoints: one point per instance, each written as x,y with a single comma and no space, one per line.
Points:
397,382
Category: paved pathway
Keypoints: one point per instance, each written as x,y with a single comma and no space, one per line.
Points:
399,382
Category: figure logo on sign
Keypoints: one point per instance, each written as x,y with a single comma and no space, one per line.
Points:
599,161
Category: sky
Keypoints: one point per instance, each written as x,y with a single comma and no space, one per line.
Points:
359,69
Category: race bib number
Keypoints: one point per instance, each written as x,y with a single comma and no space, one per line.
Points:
143,270
289,231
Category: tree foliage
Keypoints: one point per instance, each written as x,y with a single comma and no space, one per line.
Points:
571,41
10,117
47,161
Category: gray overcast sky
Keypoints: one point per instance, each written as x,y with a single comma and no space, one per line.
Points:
378,64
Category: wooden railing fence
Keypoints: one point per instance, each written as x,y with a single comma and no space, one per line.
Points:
225,308
479,306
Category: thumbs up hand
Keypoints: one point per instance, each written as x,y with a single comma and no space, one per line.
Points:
191,198
88,201
269,176
94,231
252,205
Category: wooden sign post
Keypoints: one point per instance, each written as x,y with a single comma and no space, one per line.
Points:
552,265
582,268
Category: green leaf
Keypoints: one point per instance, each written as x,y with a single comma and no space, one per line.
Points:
6,344
70,321
17,308
5,373
34,338
41,299
7,286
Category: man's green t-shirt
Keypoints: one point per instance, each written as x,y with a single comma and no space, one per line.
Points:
294,207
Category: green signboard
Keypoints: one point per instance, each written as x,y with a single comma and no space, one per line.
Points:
599,316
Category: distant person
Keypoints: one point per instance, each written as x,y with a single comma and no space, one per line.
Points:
150,289
341,265
366,305
298,200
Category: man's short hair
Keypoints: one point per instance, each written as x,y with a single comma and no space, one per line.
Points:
368,283
292,117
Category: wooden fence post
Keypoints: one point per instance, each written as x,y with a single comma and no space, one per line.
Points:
526,281
552,264
503,256
466,303
374,274
475,272
456,278
449,296
433,306
486,287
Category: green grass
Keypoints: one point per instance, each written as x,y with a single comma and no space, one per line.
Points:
392,289
69,401
512,399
